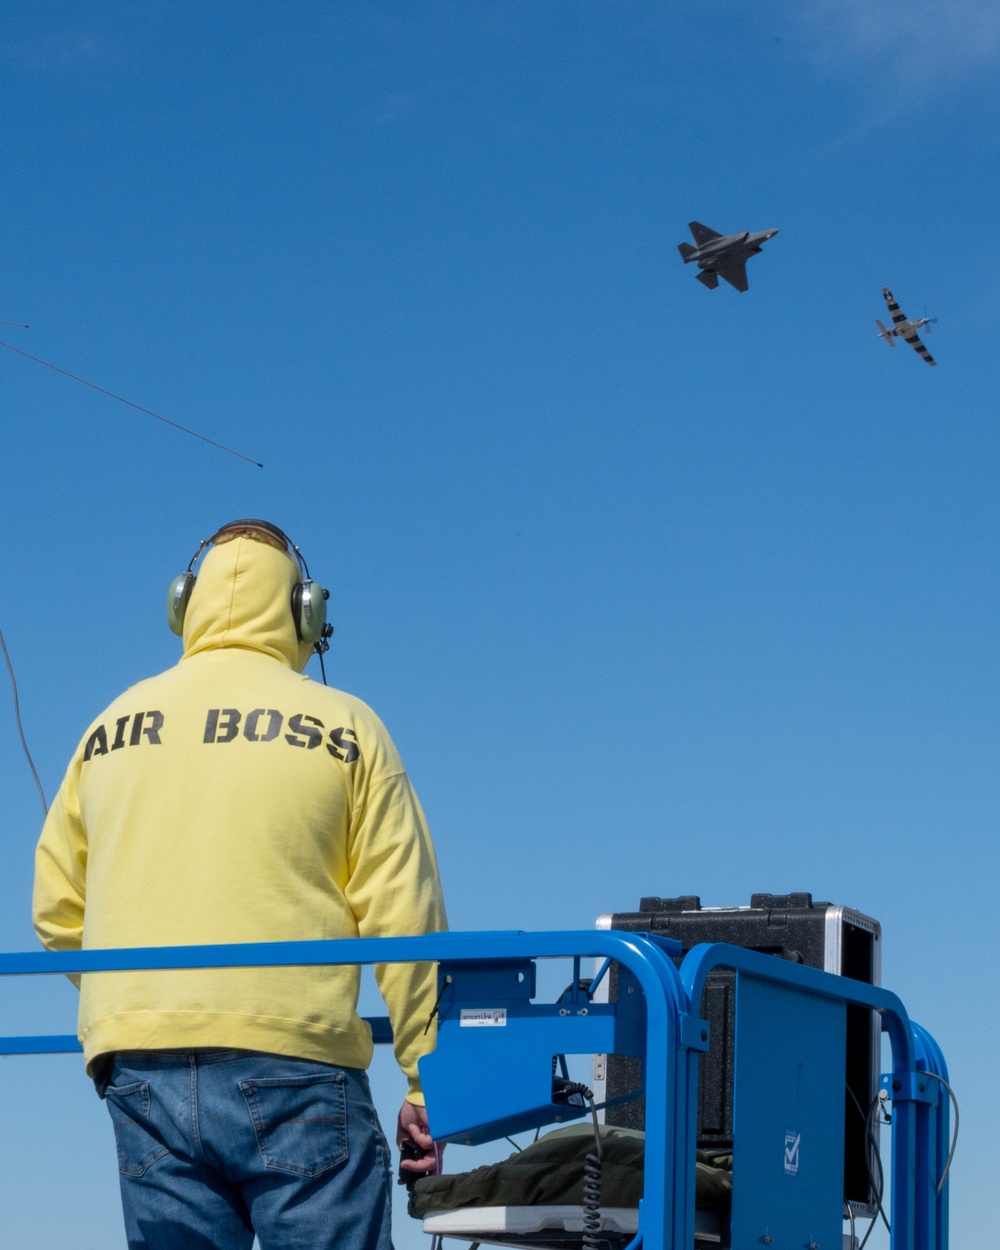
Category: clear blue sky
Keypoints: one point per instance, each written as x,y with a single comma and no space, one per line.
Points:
659,590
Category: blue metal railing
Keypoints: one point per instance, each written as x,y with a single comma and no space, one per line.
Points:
919,1195
670,1153
674,1038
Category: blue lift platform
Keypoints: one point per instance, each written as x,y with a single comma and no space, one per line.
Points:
490,1074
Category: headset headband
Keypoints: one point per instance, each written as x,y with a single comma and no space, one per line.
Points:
252,523
308,602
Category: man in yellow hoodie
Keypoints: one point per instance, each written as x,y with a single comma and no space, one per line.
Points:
231,799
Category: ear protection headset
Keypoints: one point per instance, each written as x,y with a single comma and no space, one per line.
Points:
308,602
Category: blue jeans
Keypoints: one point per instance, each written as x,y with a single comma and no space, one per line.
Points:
217,1145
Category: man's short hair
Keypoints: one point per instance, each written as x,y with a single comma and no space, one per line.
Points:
260,532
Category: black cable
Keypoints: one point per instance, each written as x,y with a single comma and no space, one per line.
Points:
20,728
437,1002
878,1187
877,1104
954,1136
870,1130
864,1239
138,407
593,1167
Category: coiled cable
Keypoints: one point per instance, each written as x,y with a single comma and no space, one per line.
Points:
593,1168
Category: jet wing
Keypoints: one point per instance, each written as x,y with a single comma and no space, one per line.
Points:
702,234
895,311
734,273
914,341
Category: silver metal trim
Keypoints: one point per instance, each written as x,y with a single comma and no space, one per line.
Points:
833,948
835,921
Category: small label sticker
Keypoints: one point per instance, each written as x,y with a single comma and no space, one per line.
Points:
483,1018
792,1142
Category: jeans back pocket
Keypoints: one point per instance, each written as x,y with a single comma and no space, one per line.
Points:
138,1147
300,1122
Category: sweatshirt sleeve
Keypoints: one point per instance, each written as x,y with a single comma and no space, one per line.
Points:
394,891
61,871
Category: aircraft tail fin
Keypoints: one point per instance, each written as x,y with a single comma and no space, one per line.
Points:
686,251
709,279
883,333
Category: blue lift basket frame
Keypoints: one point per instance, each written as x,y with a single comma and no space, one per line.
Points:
490,1073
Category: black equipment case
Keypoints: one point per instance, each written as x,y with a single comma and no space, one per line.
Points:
789,926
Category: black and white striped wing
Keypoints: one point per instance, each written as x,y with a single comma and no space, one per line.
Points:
914,341
895,312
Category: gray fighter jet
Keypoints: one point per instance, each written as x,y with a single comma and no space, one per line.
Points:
722,255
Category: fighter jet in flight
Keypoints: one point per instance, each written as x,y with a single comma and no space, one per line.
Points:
722,255
903,328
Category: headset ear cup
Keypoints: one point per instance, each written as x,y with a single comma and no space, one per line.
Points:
177,601
309,611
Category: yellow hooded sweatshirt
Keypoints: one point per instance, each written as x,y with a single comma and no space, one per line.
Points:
231,799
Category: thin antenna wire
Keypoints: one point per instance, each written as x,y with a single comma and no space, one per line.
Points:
20,729
121,399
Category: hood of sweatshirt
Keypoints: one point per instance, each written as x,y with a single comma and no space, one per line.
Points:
242,598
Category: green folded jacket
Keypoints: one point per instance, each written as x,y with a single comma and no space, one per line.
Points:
550,1173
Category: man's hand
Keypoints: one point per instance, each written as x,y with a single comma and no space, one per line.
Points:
416,1146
